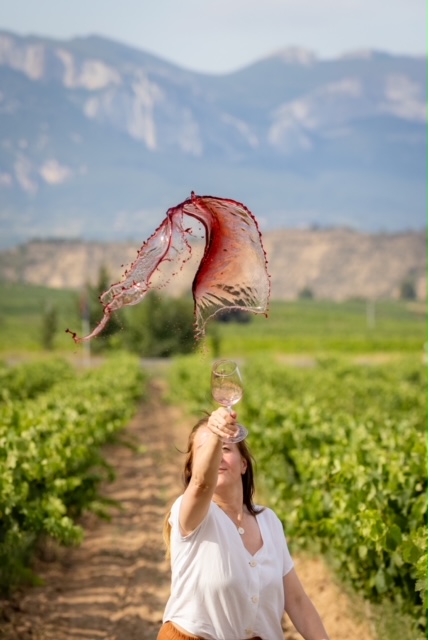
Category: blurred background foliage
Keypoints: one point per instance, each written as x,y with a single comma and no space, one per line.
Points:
33,320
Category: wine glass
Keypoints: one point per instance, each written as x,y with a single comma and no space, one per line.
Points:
227,390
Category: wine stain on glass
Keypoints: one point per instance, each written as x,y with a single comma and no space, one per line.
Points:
227,389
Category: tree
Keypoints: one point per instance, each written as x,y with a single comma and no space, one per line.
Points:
408,290
214,339
306,294
49,326
160,326
92,306
233,315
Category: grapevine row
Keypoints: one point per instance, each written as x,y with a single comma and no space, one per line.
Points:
341,452
29,379
50,457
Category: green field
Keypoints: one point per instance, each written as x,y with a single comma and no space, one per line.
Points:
299,327
21,316
313,327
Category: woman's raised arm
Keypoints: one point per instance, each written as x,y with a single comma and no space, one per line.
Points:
207,455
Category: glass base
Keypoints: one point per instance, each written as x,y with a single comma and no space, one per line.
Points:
241,435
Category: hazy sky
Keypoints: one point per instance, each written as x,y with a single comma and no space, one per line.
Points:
223,35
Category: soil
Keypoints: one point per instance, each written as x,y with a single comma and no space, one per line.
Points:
114,586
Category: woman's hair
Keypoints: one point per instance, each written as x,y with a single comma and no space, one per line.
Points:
248,486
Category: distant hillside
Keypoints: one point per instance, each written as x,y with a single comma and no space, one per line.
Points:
335,264
97,139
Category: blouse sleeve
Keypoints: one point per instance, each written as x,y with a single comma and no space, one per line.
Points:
175,524
287,560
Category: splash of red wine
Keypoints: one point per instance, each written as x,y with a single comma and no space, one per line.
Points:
232,273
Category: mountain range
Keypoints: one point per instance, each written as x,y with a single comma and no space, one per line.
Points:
98,140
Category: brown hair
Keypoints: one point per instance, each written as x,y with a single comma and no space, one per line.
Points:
247,478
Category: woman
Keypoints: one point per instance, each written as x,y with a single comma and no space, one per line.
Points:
232,574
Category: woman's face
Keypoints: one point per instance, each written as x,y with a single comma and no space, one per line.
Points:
232,465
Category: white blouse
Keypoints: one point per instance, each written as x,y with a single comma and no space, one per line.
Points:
218,589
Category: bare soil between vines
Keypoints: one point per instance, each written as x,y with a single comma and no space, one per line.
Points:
115,585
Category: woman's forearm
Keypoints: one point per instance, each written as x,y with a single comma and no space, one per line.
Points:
206,462
301,610
208,452
307,621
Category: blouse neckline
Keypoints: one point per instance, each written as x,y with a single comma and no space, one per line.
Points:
259,523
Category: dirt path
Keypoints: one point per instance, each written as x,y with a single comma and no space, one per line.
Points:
115,585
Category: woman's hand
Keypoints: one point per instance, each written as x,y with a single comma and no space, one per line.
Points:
222,423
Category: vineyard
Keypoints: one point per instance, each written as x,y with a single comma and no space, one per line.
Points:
341,452
53,422
340,441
